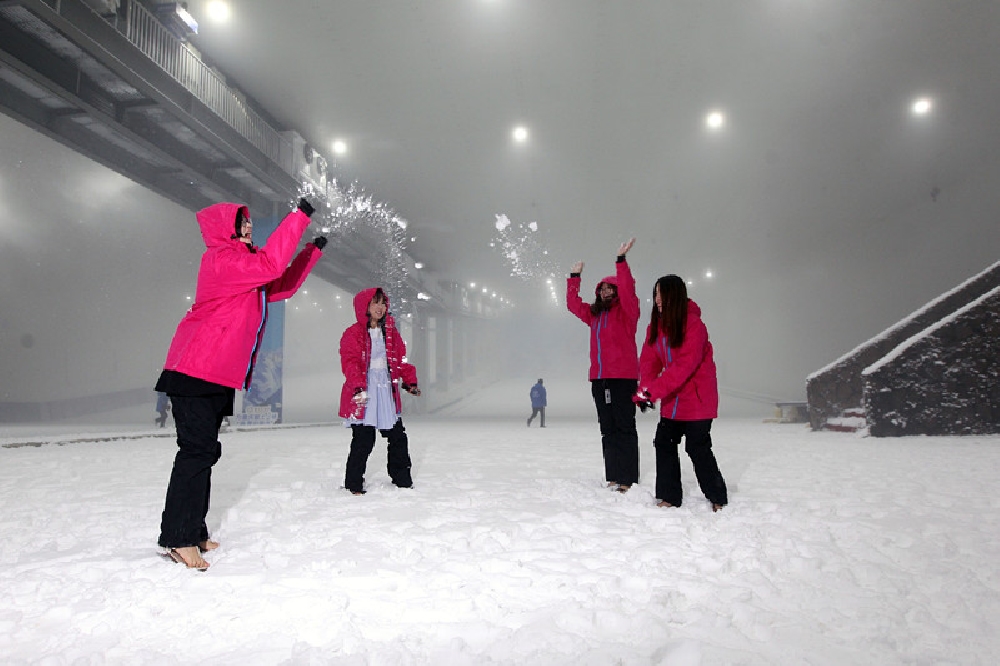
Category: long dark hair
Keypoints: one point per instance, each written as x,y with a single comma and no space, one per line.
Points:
673,318
599,306
377,297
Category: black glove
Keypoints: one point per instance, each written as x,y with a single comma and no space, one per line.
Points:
412,389
643,400
306,207
319,242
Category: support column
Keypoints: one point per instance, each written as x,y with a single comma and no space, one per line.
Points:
442,351
262,403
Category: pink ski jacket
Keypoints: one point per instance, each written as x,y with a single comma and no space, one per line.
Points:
683,379
218,338
355,354
612,333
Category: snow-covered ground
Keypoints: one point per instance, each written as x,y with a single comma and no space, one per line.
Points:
835,548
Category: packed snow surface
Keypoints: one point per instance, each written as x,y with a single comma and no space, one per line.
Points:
510,549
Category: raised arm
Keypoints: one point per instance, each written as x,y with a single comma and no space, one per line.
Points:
296,273
574,303
626,284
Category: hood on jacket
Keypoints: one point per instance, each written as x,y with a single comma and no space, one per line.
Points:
611,279
218,222
361,301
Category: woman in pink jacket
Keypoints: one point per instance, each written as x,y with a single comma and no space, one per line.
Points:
677,369
372,354
614,365
213,352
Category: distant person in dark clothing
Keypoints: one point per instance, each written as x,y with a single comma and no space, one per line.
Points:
613,319
213,352
538,402
162,407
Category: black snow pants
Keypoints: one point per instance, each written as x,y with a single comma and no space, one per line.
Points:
398,456
698,445
619,438
198,419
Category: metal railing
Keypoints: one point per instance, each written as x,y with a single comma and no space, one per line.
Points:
151,37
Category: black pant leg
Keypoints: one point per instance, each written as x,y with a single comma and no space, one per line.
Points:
698,444
198,449
668,464
541,411
619,437
606,420
220,417
626,440
398,455
534,413
362,443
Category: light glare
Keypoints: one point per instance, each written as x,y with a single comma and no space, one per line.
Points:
218,11
921,106
715,120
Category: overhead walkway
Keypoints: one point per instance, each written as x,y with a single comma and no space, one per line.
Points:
115,81
109,79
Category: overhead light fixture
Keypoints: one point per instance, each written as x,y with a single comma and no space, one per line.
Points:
921,106
218,11
715,120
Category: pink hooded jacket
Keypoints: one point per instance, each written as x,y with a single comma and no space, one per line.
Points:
683,379
612,333
218,338
355,355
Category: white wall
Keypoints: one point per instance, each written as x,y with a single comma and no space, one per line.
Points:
94,271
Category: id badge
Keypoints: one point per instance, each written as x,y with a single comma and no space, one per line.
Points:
607,396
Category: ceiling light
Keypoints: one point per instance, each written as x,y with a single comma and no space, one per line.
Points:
921,106
218,11
715,120
520,134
